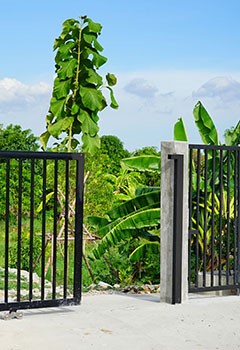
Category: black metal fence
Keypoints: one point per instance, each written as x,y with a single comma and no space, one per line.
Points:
214,218
41,214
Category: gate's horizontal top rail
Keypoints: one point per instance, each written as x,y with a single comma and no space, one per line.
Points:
40,155
215,147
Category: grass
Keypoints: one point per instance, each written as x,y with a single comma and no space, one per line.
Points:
37,259
12,281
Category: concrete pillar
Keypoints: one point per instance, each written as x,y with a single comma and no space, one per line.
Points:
167,202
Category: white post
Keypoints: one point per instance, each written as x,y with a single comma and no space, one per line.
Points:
167,207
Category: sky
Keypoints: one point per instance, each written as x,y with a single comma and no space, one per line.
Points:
167,55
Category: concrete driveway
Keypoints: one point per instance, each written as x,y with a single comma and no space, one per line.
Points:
117,322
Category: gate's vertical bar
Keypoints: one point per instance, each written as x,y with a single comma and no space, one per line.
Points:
212,218
7,228
228,216
78,229
19,229
44,184
205,217
235,219
197,219
31,230
66,229
55,220
220,217
238,215
190,215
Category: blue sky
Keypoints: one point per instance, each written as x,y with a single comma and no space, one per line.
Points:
166,54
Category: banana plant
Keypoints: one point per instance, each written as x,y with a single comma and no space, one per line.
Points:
207,129
205,224
140,216
208,223
137,217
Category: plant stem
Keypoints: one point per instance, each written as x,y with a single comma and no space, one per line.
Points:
115,272
70,139
89,268
78,60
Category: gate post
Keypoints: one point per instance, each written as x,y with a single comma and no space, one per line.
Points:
174,222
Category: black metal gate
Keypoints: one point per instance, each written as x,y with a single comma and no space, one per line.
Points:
214,218
41,216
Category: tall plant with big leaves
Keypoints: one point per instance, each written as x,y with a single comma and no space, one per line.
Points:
77,96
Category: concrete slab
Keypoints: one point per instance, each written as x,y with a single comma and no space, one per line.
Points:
117,322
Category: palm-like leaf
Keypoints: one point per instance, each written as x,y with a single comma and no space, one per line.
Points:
126,227
180,131
142,163
141,251
146,200
206,127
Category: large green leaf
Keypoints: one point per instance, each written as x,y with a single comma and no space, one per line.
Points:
206,127
67,25
232,136
149,218
93,26
97,45
61,88
180,131
66,50
90,144
97,221
143,163
67,69
147,200
88,125
57,107
97,59
44,137
89,37
75,109
143,250
92,98
94,77
144,190
59,126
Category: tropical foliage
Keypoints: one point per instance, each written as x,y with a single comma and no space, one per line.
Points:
137,218
14,138
213,178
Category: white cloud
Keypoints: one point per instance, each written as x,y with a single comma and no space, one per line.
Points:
15,93
141,88
24,104
224,88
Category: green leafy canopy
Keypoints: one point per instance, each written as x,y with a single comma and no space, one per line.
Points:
77,95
